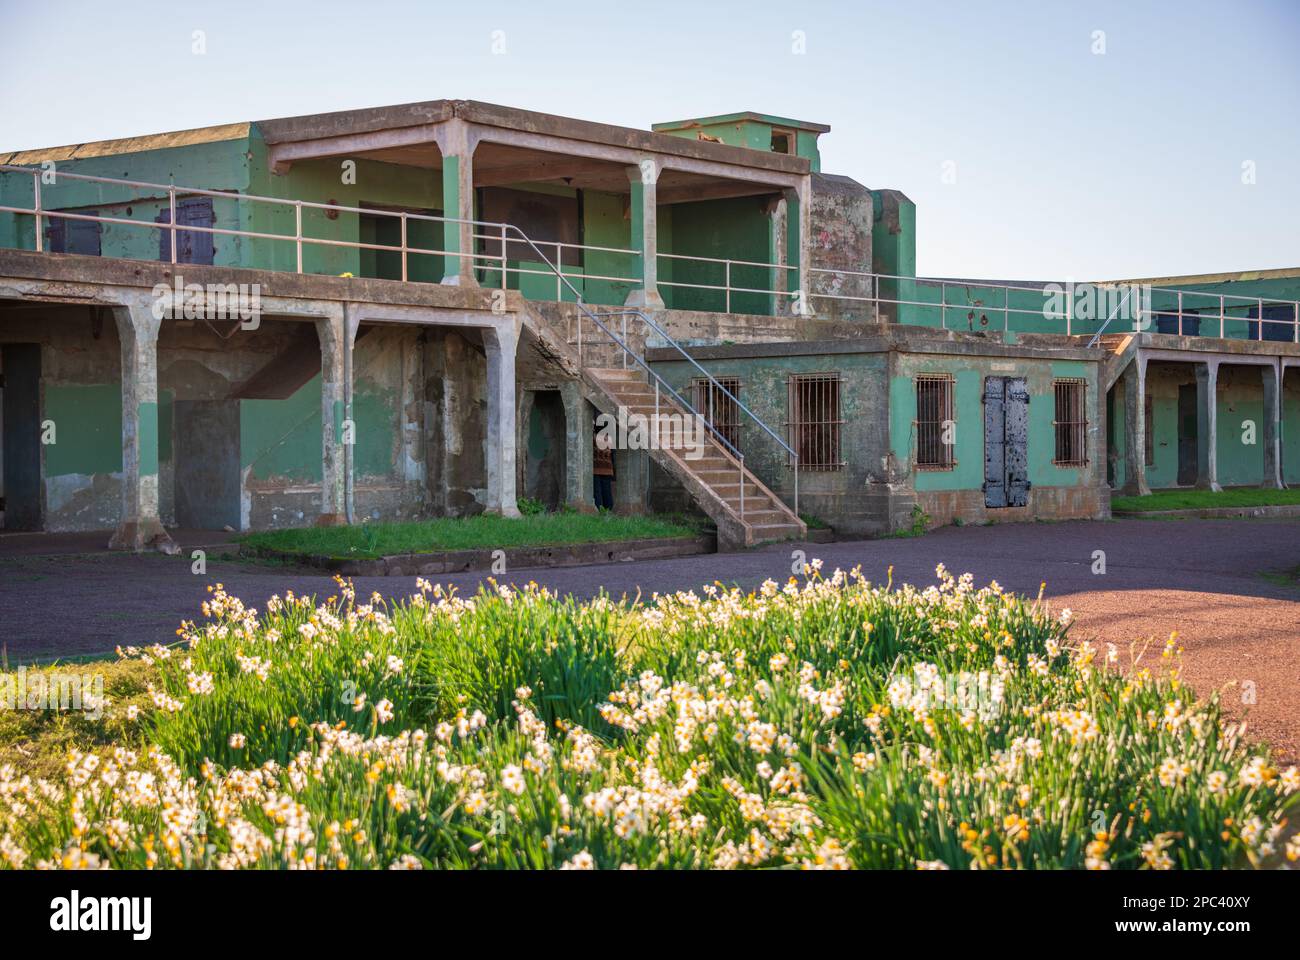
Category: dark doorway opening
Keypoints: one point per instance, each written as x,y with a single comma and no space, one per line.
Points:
1187,435
20,367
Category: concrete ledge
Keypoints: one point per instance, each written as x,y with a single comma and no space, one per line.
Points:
520,558
1285,511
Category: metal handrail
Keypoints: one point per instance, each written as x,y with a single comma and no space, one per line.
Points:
1225,302
502,232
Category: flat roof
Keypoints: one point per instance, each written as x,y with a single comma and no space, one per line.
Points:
108,148
369,119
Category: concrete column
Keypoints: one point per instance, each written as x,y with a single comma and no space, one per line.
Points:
579,437
140,527
776,222
331,331
499,343
457,143
1135,440
631,475
643,180
1207,426
1273,425
797,251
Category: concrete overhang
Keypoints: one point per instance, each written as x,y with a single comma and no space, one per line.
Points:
882,338
522,146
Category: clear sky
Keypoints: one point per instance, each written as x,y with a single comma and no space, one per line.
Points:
1029,153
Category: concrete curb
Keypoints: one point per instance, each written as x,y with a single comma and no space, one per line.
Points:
1276,512
519,558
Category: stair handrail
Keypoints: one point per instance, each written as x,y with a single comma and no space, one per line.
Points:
1102,329
581,304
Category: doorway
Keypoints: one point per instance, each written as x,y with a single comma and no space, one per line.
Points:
1187,437
20,368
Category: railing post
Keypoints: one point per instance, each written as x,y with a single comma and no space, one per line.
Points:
625,343
1260,312
171,217
36,209
505,262
727,283
1221,318
403,247
656,399
1180,313
1069,310
559,273
796,485
742,486
1295,322
297,231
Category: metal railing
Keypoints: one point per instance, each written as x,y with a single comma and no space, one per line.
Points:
503,233
1153,309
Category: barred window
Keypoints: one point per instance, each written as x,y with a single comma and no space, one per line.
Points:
935,423
718,409
813,406
1071,423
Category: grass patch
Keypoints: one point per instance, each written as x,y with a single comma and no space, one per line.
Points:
368,541
36,742
1206,499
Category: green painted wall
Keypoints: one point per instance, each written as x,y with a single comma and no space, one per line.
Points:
88,428
736,229
968,409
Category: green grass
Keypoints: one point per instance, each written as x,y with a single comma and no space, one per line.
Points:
1204,499
368,541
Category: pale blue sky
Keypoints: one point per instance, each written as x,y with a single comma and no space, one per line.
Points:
1069,164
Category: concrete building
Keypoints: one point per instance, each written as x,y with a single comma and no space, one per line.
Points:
421,310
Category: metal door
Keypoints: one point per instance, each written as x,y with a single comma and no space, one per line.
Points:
1006,442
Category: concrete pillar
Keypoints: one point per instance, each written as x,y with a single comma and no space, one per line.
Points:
579,435
643,180
332,333
500,343
631,477
140,527
776,224
1273,425
1135,441
1207,426
797,251
457,143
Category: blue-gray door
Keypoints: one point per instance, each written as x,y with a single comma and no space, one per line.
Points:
1006,442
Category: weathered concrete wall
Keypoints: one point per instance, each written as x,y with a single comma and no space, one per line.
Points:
454,404
841,222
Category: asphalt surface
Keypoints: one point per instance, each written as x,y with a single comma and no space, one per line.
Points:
1228,587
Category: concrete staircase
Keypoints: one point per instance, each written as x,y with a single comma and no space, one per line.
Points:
1120,348
746,512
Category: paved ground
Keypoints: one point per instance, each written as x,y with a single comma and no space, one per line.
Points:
1207,579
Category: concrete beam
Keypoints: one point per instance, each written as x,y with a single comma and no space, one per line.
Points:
643,180
1207,426
1135,442
500,344
140,527
556,168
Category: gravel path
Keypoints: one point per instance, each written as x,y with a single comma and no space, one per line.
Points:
1207,579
